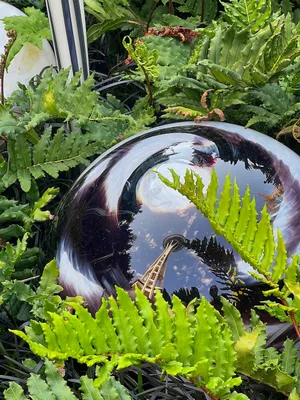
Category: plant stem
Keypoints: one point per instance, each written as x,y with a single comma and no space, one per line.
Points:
291,313
292,316
3,59
140,22
202,10
151,14
171,7
205,390
148,83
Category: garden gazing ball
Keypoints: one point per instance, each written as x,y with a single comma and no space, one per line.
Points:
120,225
29,62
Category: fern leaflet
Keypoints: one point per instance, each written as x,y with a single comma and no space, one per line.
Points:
257,246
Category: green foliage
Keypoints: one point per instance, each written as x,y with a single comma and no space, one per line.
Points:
275,106
173,340
171,58
197,343
30,29
56,97
230,217
230,57
248,13
195,8
253,359
145,60
19,218
54,387
110,14
246,63
50,155
32,156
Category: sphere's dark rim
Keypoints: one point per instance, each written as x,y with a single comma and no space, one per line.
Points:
150,131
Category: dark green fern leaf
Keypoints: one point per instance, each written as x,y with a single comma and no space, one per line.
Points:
248,13
50,155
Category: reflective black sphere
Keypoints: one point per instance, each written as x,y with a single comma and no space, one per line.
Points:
118,217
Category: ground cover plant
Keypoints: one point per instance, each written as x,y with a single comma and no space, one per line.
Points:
152,62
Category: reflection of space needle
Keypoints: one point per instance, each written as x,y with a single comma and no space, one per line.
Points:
153,278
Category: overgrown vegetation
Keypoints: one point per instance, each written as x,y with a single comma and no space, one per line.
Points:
154,60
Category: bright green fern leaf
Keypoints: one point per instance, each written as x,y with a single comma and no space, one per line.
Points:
124,333
256,245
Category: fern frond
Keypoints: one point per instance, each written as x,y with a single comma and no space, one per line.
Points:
248,13
277,107
55,97
235,58
253,250
145,58
50,155
19,218
199,344
110,14
55,387
256,245
195,7
124,333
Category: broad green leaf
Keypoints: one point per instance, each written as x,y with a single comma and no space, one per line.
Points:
89,392
233,318
14,392
281,259
288,357
57,383
38,389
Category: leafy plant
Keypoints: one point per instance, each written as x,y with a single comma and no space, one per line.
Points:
252,239
248,13
50,155
195,342
276,107
145,60
55,387
227,57
177,343
19,218
205,9
55,97
110,15
244,63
